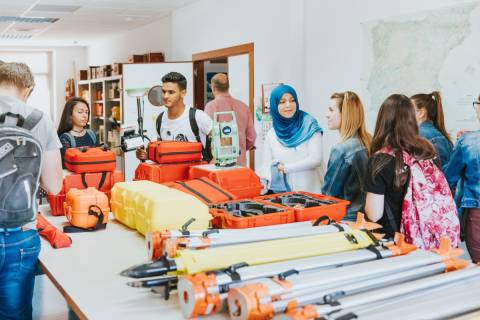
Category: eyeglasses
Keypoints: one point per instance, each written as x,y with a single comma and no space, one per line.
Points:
475,103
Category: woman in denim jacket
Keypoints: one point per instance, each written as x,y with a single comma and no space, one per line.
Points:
431,123
345,177
465,165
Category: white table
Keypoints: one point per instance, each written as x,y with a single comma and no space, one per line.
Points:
87,275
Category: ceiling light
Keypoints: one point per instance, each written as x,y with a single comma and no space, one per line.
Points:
55,8
10,19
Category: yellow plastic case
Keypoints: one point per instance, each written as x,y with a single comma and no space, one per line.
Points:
169,209
123,199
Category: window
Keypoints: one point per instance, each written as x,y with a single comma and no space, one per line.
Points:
40,62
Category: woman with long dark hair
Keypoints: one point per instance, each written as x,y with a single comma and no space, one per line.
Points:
387,175
72,129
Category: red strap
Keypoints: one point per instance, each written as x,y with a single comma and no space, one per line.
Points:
57,238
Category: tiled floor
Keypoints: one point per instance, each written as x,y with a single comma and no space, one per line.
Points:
48,303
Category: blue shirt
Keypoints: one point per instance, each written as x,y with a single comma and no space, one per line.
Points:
465,164
345,176
439,141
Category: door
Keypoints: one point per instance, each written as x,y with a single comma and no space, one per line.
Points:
240,72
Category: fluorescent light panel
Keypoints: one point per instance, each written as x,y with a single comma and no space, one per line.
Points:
27,19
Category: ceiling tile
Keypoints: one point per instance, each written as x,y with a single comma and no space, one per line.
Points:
95,19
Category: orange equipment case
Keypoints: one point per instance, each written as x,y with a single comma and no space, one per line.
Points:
56,203
161,173
242,214
87,208
174,151
103,181
83,181
309,206
240,181
82,160
204,189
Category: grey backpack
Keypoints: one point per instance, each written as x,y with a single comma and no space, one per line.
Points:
20,165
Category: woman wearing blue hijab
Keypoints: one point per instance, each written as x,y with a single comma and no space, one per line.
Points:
293,159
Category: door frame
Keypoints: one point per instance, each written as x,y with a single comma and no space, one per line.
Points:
198,67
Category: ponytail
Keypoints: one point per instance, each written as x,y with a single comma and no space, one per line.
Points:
433,104
439,118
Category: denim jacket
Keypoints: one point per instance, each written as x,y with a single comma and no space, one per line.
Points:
441,144
465,164
345,176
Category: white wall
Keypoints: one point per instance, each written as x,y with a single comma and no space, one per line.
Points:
154,37
68,60
316,46
334,40
65,60
275,27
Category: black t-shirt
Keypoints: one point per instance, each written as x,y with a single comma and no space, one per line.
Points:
383,184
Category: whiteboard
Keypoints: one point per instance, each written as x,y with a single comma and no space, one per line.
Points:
147,75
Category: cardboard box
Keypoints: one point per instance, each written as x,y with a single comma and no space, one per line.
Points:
117,69
136,58
107,70
82,75
155,57
93,72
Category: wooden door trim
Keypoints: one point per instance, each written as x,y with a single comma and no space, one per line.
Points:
247,48
224,52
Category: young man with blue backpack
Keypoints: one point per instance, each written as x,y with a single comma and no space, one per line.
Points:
29,157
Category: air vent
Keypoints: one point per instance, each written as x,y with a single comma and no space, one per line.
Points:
27,19
15,36
55,8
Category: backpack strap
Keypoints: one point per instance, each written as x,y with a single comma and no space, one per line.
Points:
391,218
20,119
159,125
70,137
194,124
32,119
206,150
92,135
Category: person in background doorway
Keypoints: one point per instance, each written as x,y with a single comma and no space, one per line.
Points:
464,165
179,122
293,147
20,246
72,128
225,102
430,119
347,166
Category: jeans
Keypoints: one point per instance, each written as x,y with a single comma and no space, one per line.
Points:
472,233
19,252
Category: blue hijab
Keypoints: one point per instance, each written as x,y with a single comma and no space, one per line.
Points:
293,131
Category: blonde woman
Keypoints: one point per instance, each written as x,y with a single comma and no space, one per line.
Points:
345,176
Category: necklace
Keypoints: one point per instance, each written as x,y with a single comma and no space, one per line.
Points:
78,131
